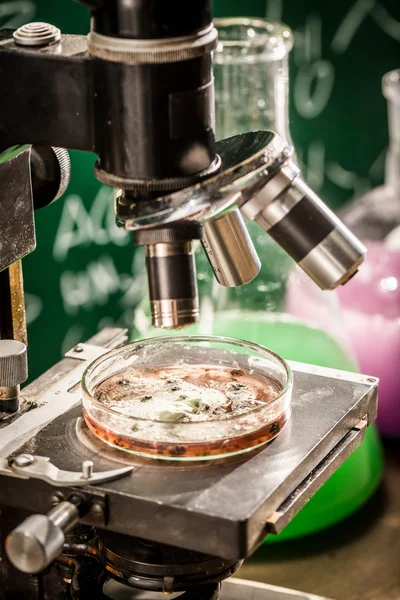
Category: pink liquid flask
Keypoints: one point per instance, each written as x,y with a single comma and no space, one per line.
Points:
369,305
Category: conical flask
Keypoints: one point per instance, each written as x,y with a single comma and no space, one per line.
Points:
370,303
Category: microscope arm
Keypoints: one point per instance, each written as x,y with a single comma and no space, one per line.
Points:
47,94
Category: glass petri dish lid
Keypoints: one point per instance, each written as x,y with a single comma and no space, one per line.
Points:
187,397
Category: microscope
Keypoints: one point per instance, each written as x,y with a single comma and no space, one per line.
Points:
77,519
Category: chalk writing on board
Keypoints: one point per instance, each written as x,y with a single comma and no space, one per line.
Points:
72,337
350,25
33,307
93,287
314,81
81,227
355,17
386,22
75,333
313,88
313,163
95,284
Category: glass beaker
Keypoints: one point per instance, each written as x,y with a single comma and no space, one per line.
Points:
370,303
251,76
251,92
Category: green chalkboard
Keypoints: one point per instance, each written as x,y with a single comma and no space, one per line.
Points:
82,275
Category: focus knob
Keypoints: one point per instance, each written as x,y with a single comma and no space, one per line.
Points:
34,544
13,363
50,174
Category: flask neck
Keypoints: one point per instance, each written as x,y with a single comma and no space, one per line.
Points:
391,91
392,166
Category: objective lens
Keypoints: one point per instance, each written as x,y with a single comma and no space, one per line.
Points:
297,219
171,273
230,250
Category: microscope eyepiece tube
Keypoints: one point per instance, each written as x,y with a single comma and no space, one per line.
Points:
297,219
171,270
230,250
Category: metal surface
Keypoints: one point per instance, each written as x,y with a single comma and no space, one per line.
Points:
93,104
335,260
145,51
41,468
50,174
13,372
34,544
24,460
176,504
85,352
13,363
239,589
160,184
281,180
17,233
171,271
290,507
9,401
174,313
356,559
16,412
55,389
232,589
16,326
87,469
65,170
56,88
36,34
247,161
116,591
160,568
307,230
230,249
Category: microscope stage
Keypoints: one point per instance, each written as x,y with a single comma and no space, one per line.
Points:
219,508
232,589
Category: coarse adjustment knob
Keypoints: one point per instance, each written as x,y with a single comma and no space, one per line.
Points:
34,544
50,174
13,363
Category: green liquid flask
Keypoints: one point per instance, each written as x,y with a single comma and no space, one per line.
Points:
251,91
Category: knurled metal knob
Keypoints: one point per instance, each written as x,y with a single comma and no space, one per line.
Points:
64,164
36,34
13,363
50,174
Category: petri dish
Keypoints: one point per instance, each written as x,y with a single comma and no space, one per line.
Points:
187,397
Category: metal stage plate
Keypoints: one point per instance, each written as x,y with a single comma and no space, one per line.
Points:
232,589
223,509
